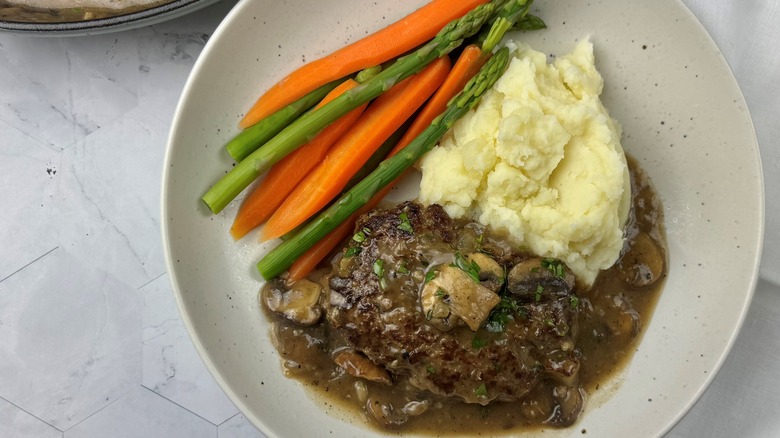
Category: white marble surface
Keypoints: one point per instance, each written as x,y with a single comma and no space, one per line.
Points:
91,344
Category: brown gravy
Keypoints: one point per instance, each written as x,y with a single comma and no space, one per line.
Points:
612,318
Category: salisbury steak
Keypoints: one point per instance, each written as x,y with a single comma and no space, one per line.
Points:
453,310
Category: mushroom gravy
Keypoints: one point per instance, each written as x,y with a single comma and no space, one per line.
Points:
559,343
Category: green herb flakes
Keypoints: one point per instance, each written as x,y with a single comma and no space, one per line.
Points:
502,314
430,275
402,269
538,294
379,270
471,268
574,301
554,266
477,343
379,267
359,237
352,251
405,225
481,391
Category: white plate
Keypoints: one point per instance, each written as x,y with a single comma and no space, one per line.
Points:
684,119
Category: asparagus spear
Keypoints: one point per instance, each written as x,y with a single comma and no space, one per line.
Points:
253,137
248,140
530,22
512,13
305,127
281,257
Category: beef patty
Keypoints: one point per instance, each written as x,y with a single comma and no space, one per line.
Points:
373,299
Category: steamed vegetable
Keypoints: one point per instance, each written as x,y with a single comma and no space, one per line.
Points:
392,41
285,175
382,118
248,140
467,65
281,257
309,124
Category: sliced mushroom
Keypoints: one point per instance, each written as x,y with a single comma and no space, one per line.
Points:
416,407
357,365
491,274
385,414
643,263
532,276
569,402
299,303
565,370
453,292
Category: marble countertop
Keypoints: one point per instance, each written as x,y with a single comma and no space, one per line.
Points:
91,344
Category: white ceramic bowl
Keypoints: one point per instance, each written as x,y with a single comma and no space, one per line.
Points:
684,119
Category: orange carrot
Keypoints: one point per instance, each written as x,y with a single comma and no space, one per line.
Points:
287,173
381,46
388,112
314,255
467,65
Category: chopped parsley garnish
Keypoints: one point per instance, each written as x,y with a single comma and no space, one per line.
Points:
477,343
379,267
359,237
353,251
502,314
538,294
441,294
481,391
402,269
549,322
405,225
471,268
430,369
430,275
554,266
379,270
574,302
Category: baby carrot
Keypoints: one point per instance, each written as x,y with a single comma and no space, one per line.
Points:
468,64
377,48
378,122
287,173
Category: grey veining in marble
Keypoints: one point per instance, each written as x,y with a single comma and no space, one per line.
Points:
71,339
172,367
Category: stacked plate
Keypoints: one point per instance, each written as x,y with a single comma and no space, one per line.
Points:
84,17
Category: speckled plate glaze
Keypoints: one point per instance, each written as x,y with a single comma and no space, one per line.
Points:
684,119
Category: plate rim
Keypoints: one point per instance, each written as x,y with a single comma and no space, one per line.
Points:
758,233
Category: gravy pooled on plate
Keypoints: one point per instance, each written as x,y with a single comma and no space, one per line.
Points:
435,325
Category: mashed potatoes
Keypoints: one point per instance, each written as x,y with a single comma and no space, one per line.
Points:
540,159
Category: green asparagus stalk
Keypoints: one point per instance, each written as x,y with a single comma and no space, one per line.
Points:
373,162
282,257
309,124
248,140
512,13
530,22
